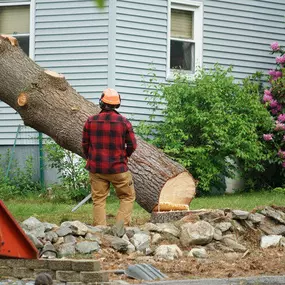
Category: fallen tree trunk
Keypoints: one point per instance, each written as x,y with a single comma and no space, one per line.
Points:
47,103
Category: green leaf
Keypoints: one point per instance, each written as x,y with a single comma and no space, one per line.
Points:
100,3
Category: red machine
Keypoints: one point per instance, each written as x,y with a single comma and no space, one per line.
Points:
14,243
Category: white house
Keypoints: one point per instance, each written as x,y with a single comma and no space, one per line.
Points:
117,46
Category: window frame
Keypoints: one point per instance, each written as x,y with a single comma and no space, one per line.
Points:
32,23
197,9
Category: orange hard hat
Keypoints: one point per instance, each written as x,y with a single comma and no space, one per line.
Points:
111,96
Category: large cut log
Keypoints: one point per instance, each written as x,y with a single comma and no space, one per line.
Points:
47,103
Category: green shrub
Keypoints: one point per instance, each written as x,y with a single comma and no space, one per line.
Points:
74,180
210,125
20,181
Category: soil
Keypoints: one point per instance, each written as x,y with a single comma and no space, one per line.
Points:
254,262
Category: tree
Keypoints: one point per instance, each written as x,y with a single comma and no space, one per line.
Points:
47,103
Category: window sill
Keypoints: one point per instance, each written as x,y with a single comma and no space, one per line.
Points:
170,75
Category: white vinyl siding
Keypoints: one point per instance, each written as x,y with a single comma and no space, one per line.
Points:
71,38
240,34
141,43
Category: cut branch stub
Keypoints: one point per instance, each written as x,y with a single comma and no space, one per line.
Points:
12,40
22,99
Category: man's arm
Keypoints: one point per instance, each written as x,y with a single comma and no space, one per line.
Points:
131,141
85,139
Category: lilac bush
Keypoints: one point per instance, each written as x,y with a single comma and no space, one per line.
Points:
274,101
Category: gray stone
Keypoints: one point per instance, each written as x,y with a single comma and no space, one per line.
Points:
168,252
168,228
93,237
76,227
229,242
240,215
141,241
118,229
255,218
34,226
51,236
198,252
269,241
66,249
97,229
117,243
70,239
270,227
274,214
38,244
48,251
156,238
63,231
223,226
87,246
218,235
49,226
199,233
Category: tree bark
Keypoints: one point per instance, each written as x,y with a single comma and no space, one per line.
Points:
47,103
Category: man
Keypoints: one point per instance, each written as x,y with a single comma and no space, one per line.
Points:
108,140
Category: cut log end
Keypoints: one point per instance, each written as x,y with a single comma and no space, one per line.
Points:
177,193
13,41
22,99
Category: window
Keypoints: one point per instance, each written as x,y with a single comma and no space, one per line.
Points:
185,36
15,21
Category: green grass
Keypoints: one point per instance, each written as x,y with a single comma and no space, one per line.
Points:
47,211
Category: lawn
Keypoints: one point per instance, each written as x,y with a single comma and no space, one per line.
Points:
49,211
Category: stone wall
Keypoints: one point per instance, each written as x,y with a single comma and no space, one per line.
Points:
61,270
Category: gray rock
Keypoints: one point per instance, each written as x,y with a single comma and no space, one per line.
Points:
97,229
224,226
118,229
48,251
269,241
255,218
218,235
131,248
141,241
38,244
240,215
93,237
34,226
168,228
237,226
168,252
70,239
199,233
76,227
117,243
87,247
198,253
270,227
150,227
130,231
66,249
156,238
274,214
229,242
63,231
49,227
51,236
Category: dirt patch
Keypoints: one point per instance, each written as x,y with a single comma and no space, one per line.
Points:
254,262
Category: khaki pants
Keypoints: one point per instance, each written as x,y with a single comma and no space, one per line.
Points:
124,187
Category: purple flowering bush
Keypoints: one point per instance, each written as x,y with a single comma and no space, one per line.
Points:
274,100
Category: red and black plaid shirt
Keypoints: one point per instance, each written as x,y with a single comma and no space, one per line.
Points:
108,140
